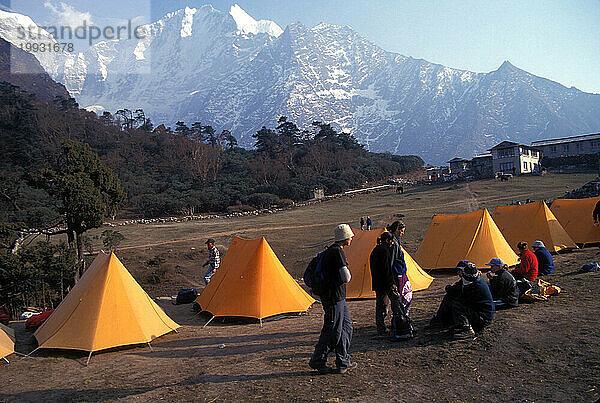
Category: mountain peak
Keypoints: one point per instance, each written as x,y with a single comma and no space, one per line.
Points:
248,25
506,65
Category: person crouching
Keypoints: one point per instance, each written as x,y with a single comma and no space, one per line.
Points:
468,305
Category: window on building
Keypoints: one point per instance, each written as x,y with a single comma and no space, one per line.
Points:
507,167
506,152
580,146
525,151
552,149
565,148
524,166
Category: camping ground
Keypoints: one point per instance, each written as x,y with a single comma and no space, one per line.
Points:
537,352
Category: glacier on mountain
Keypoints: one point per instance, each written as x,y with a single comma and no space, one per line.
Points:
234,72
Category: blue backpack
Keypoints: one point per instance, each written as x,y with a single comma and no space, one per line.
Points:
313,275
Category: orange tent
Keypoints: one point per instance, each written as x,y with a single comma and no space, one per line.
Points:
531,222
252,282
358,254
7,342
471,236
575,215
106,308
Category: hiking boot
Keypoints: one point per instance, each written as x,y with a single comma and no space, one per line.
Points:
463,333
383,332
322,369
343,370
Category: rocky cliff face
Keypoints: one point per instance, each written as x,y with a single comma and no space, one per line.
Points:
23,70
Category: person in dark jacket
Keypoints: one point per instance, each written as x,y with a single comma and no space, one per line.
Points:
596,213
503,285
468,305
545,259
336,334
385,284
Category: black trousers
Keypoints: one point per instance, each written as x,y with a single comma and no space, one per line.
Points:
454,312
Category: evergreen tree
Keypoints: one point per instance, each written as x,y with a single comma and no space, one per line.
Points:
85,190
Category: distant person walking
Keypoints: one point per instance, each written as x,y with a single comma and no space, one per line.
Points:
336,334
369,223
362,223
213,262
544,258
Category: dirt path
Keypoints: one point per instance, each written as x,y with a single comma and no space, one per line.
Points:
472,200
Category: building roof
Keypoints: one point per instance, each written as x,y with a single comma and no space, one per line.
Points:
509,144
458,159
488,155
594,136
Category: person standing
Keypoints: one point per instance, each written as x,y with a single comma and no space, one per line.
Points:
369,223
401,329
362,223
503,285
213,262
596,213
385,283
544,258
528,268
336,334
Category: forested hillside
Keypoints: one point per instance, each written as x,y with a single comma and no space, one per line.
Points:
179,170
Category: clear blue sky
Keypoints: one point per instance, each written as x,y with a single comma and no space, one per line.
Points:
556,39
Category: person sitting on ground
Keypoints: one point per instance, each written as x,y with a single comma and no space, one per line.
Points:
544,258
528,268
213,262
503,285
468,306
385,284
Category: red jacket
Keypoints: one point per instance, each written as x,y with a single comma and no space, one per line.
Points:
529,265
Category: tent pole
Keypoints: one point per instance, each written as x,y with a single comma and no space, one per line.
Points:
4,358
210,320
29,355
260,321
88,360
149,346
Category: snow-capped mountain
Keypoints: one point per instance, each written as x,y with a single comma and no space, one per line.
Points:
232,71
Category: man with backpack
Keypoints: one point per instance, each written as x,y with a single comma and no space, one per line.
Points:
336,333
385,284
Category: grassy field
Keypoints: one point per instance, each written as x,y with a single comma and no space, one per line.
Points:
298,234
543,351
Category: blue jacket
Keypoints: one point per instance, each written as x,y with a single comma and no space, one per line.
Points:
478,297
545,261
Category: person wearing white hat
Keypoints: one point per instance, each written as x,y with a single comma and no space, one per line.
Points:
545,259
336,334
